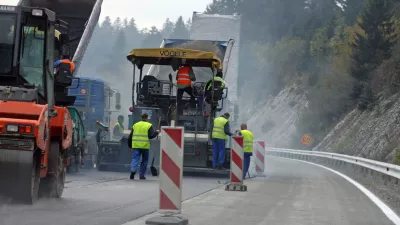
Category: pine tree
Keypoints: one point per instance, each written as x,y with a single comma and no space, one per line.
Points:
224,7
352,9
180,30
133,37
117,24
152,38
372,47
189,24
106,24
168,28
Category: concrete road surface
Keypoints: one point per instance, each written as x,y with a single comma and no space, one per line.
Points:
293,193
98,198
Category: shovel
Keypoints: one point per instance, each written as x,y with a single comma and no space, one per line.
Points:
153,170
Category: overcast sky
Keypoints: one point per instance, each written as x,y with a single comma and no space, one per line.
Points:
146,12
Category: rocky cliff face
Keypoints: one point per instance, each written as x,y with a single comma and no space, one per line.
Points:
273,119
370,134
373,133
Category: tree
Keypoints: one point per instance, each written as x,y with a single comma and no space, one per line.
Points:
106,24
133,37
223,7
117,24
168,28
180,30
152,38
120,43
352,9
189,24
372,46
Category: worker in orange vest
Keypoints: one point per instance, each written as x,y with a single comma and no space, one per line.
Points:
184,79
66,62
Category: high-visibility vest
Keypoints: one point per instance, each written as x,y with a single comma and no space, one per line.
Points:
247,140
218,130
121,131
217,79
183,76
140,136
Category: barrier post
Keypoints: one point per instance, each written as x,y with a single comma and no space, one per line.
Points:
170,178
236,172
259,153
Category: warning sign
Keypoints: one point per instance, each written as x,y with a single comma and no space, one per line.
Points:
306,139
83,91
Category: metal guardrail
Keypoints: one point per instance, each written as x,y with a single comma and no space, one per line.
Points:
383,179
385,168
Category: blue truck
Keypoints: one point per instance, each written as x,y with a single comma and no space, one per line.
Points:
93,100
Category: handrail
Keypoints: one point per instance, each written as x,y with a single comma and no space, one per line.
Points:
385,168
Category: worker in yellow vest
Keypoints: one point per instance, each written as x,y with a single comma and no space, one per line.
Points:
139,143
247,147
220,133
118,131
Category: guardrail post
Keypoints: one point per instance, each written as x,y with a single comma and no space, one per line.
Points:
170,179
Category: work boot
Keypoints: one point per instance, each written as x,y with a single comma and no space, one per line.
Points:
132,175
142,177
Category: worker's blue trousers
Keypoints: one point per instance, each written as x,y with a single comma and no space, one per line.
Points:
136,153
246,163
218,156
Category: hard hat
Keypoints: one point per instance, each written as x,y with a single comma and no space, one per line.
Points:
57,34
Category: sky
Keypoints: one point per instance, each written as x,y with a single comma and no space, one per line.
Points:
147,13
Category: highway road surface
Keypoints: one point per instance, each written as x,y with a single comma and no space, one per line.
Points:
293,193
98,198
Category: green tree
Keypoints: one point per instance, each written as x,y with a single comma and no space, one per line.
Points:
180,30
168,28
133,37
223,7
352,9
152,38
371,47
117,24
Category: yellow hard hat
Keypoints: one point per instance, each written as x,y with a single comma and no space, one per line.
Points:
57,34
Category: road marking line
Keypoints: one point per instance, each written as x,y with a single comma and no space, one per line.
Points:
391,215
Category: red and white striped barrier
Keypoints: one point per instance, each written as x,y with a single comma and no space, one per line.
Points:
259,150
171,167
237,155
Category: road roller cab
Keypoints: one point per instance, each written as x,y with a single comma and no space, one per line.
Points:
35,127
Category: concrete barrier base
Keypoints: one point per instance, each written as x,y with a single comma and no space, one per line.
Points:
236,187
167,220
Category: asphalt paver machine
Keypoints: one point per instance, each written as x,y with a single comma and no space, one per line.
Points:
158,99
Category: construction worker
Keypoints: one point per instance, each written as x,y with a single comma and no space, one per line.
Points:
139,143
118,131
184,79
247,147
220,133
64,62
218,81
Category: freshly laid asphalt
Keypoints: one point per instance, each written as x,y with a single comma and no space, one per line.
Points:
99,198
291,193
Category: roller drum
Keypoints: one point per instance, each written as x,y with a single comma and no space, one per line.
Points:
19,175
